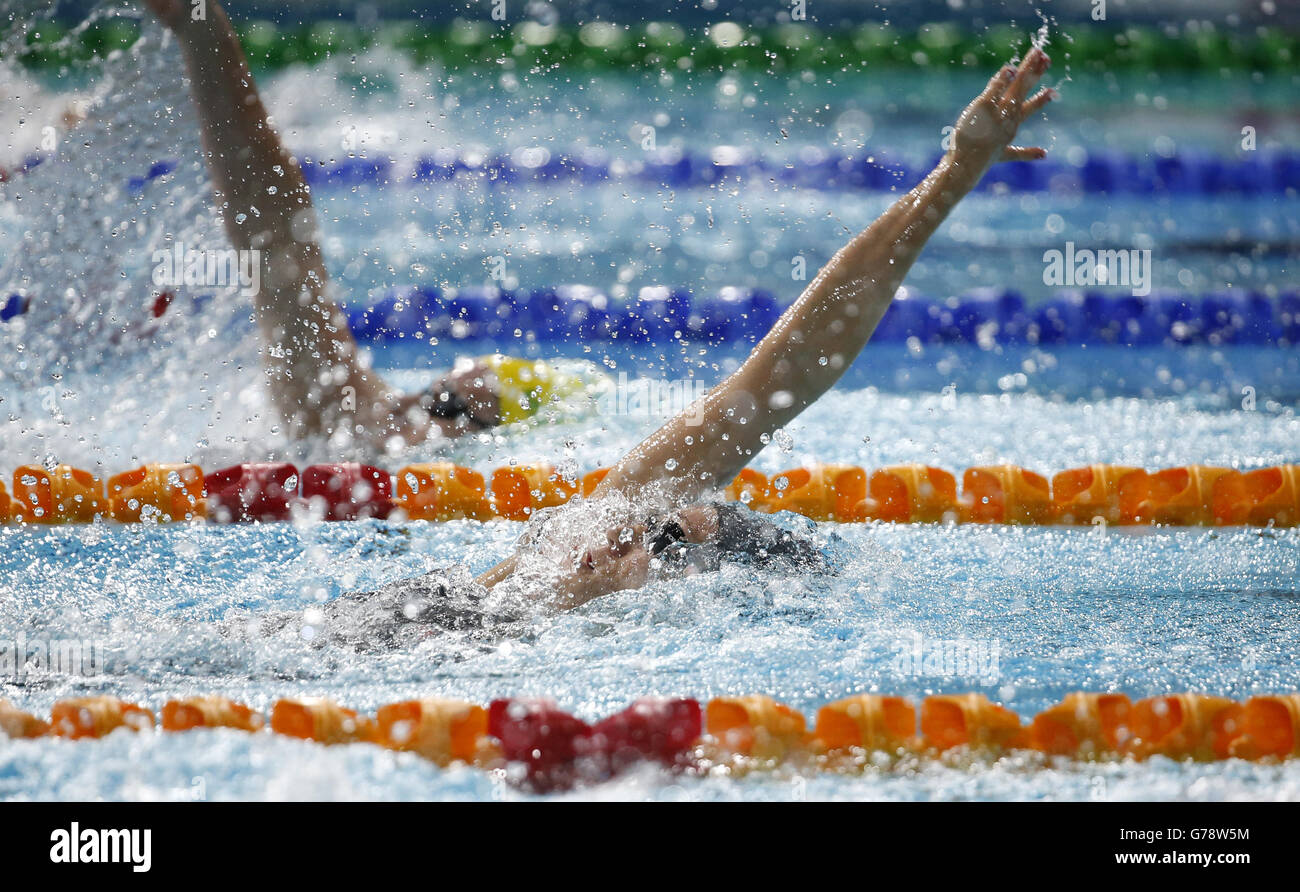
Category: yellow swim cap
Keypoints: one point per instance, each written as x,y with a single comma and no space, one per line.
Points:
526,385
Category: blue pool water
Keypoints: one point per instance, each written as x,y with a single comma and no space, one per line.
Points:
1142,611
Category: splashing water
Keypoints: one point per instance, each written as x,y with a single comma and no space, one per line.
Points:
93,377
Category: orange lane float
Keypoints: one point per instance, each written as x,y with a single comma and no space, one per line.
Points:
159,492
1005,494
314,718
1195,495
442,491
820,492
1079,495
952,720
209,712
909,494
1267,726
867,721
1082,725
443,731
16,723
97,716
591,480
1257,498
755,726
519,490
1174,496
1183,726
64,495
749,487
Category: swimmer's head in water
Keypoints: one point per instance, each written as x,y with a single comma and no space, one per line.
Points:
467,394
498,389
692,540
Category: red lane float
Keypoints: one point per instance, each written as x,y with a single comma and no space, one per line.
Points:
543,738
258,491
915,493
660,730
348,491
556,749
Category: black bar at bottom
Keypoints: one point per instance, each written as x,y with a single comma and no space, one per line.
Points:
654,842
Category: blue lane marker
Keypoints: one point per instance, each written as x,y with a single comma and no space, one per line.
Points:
983,317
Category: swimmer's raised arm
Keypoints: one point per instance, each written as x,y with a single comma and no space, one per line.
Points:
315,373
804,354
821,334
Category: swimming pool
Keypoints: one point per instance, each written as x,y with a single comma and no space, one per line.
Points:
1141,611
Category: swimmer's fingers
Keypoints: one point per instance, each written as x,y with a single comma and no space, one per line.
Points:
1031,69
1023,153
1039,99
998,83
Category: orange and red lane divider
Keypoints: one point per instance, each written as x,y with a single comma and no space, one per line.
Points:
551,748
1192,495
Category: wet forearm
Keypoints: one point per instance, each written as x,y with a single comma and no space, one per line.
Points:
803,355
311,358
821,334
260,185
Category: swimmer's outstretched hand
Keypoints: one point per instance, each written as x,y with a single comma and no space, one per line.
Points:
986,128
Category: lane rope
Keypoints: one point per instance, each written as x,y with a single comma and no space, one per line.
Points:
659,315
553,749
681,49
1099,494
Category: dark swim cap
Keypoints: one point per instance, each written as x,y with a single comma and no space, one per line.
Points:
742,532
743,537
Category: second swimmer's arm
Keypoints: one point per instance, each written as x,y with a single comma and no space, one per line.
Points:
316,376
821,334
